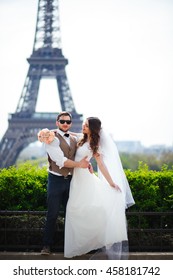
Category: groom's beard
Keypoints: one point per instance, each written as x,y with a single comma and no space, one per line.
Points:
63,130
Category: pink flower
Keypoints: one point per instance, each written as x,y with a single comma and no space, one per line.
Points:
45,135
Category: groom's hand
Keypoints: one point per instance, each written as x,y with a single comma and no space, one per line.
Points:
84,163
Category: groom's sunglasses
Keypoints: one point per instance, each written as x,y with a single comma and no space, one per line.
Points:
64,121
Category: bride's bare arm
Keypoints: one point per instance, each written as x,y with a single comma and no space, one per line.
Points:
104,170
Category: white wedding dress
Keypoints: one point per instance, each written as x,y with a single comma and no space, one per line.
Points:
95,215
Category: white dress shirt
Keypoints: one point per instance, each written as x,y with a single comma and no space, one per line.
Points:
55,152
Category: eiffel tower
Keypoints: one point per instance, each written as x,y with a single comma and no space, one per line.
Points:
46,61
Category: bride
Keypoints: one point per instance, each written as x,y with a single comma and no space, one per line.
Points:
95,215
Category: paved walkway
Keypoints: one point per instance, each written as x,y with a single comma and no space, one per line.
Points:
59,256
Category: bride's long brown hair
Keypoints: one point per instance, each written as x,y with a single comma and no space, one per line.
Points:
94,127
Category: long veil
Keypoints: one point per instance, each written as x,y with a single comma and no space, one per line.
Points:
113,163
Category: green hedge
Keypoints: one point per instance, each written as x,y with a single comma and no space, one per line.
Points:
152,190
24,188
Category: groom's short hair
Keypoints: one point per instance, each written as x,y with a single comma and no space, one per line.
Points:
64,113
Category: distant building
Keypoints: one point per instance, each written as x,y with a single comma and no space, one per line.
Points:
158,149
129,146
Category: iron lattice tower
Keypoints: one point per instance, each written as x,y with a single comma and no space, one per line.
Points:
46,61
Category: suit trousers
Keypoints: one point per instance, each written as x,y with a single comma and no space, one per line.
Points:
57,196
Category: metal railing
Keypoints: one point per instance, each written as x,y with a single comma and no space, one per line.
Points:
150,231
23,230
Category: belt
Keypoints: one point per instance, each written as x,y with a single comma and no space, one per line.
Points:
60,176
67,177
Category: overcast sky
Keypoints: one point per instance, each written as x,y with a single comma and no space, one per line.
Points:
120,68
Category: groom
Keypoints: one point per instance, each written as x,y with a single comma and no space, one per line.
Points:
61,153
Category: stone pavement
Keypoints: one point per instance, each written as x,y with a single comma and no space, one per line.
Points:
59,256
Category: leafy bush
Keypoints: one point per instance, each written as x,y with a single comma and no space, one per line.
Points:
25,187
152,190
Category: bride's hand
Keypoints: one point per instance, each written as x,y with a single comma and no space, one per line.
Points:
90,168
115,186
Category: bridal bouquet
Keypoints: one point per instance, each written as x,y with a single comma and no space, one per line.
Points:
45,135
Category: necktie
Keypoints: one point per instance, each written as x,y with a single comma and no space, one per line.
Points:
66,134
